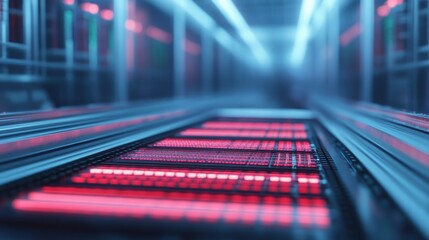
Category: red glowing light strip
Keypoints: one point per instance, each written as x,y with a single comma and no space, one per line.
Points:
303,146
202,174
189,196
350,34
62,136
192,47
198,156
285,146
182,173
305,160
254,125
107,14
249,213
186,179
68,2
216,143
217,157
159,34
201,179
384,9
91,8
400,145
197,132
133,26
301,160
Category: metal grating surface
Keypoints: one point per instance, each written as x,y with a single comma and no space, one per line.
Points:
250,181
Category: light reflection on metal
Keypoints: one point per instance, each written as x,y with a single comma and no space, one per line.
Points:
133,26
196,13
159,34
68,2
192,47
91,8
230,11
384,9
107,14
350,34
52,138
303,32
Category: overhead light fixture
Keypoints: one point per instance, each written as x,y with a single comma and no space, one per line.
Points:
197,13
303,31
230,11
200,17
222,37
320,16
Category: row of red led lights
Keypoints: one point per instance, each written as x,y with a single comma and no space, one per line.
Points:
273,177
235,144
203,180
198,132
191,196
255,125
174,208
280,159
185,205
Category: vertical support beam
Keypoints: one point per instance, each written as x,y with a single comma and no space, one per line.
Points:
28,41
35,26
27,15
43,35
93,58
334,27
69,50
367,40
179,53
121,83
5,27
207,62
413,93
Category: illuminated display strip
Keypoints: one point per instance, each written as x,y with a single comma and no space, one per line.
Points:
308,183
275,198
240,209
255,125
217,143
282,145
303,146
300,160
219,157
285,146
198,156
198,132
